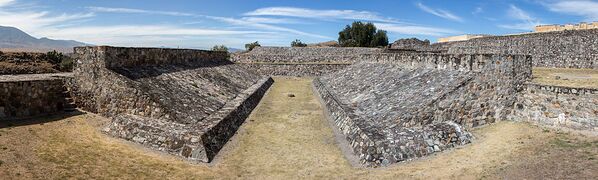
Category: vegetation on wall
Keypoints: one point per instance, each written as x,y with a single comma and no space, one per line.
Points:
298,43
361,34
220,48
252,45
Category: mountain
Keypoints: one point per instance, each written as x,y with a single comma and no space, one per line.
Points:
13,39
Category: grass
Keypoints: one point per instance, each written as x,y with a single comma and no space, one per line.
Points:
581,78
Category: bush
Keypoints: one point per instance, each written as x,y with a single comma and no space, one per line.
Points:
298,43
220,48
359,34
252,45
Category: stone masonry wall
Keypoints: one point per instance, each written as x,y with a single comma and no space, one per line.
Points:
574,108
198,142
25,96
563,49
303,55
184,102
416,101
298,70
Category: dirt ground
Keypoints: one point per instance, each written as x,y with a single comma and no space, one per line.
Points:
285,138
585,78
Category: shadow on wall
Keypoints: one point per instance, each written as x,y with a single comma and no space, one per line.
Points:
135,73
38,120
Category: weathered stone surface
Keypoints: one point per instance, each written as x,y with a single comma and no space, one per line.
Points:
575,108
185,102
413,44
293,69
384,108
303,55
562,49
25,96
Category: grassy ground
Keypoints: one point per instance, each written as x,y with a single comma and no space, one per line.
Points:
587,78
286,138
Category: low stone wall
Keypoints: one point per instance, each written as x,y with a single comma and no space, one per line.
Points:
198,142
299,70
113,57
573,108
26,96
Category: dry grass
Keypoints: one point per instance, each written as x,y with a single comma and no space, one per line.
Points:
585,78
287,138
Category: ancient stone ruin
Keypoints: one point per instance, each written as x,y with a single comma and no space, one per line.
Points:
388,105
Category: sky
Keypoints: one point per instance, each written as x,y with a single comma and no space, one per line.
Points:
202,24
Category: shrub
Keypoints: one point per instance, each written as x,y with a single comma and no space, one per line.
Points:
252,45
361,34
298,43
220,48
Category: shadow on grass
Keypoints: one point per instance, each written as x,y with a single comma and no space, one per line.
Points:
37,120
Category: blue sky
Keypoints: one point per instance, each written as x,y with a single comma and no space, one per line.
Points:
202,24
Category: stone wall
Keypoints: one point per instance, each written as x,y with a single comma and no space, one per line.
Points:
184,102
382,107
299,70
574,108
26,96
563,49
198,142
410,44
303,55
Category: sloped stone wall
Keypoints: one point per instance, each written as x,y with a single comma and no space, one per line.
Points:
562,49
574,108
184,102
387,109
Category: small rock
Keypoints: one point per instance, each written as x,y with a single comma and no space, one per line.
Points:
291,95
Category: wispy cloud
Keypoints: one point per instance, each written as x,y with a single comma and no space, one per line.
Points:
269,20
320,14
440,13
415,30
138,11
477,10
259,24
6,2
587,9
526,21
34,21
241,22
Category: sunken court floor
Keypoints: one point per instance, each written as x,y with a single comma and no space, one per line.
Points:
287,136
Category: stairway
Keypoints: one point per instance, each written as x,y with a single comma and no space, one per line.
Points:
69,102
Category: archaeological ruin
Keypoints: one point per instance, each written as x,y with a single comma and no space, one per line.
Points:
390,104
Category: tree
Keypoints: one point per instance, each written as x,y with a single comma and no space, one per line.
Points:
361,34
220,48
298,43
252,45
54,57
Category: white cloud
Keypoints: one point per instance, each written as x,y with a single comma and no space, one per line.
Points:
241,22
268,20
477,10
587,9
319,14
526,21
252,23
138,11
6,2
415,30
440,13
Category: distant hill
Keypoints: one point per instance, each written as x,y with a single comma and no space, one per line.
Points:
13,39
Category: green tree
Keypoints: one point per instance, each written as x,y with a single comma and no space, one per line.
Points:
361,34
252,45
220,48
298,43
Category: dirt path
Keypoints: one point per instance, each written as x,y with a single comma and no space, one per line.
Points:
287,138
